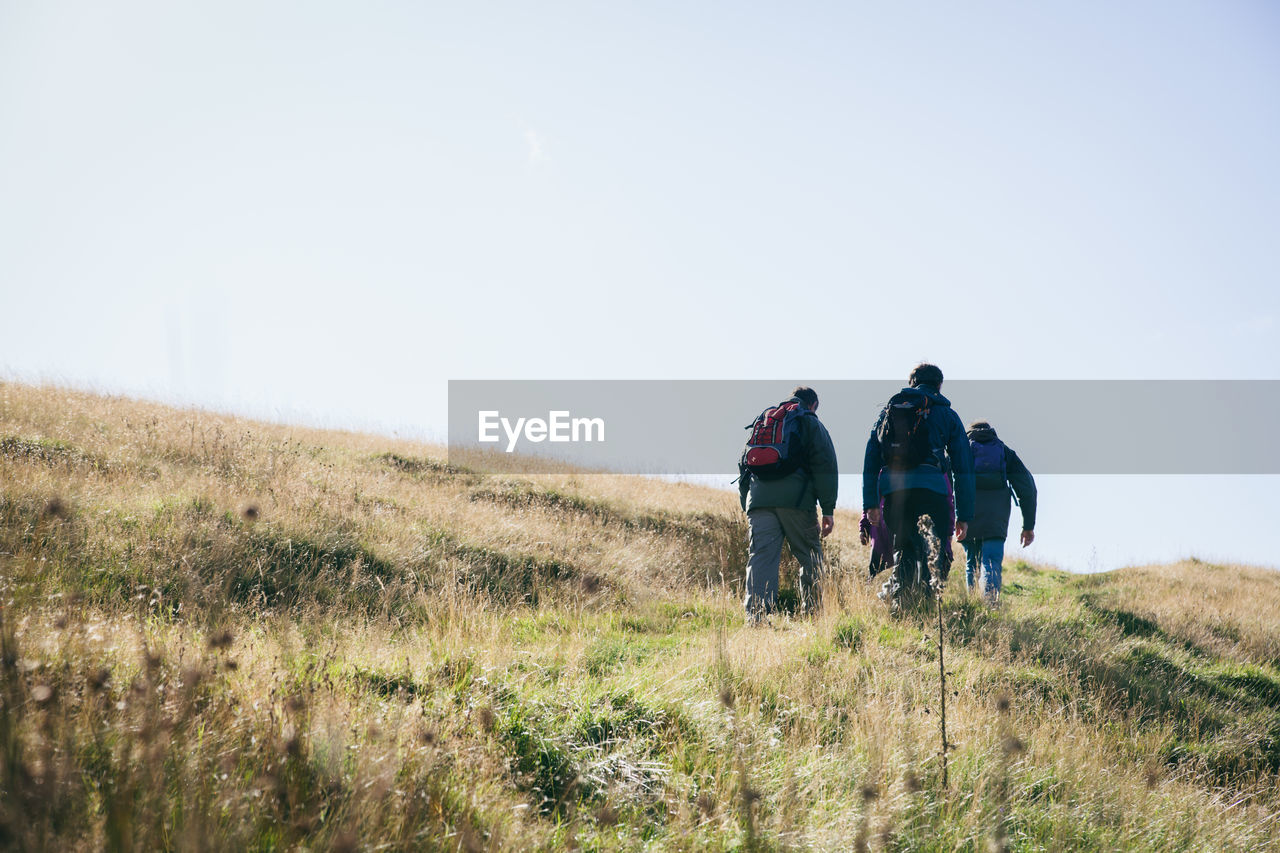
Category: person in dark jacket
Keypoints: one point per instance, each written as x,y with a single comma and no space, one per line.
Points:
881,540
911,492
997,471
783,508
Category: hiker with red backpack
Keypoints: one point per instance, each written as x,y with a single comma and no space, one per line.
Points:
997,472
787,466
916,441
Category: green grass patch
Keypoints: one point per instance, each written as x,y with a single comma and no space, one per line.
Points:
52,453
426,467
848,633
541,764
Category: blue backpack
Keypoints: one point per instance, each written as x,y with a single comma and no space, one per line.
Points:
989,464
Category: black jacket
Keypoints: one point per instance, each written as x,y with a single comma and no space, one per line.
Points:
992,506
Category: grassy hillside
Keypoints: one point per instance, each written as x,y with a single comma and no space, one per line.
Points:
220,634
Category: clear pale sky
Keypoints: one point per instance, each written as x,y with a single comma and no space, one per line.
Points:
322,212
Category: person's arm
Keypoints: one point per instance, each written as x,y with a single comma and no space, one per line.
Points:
824,471
872,462
1024,486
744,485
961,470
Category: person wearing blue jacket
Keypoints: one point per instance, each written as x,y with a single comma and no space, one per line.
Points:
997,472
916,441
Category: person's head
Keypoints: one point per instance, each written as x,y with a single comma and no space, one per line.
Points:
981,431
926,374
807,396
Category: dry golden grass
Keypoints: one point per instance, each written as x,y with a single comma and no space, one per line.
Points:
1227,610
232,635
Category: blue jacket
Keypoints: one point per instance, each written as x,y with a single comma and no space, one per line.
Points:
950,449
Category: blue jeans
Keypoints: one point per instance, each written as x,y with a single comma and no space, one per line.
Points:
991,553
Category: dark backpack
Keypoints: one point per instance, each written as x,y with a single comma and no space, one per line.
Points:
773,451
989,464
903,431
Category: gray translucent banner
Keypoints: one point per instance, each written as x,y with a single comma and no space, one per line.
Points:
698,426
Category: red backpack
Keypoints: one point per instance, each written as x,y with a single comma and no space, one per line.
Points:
773,451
